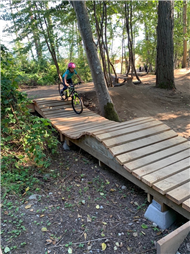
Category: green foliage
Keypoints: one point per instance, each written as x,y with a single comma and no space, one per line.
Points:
26,140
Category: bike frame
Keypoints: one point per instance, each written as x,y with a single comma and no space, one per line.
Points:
71,91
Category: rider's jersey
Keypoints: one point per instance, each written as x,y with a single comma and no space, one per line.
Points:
69,74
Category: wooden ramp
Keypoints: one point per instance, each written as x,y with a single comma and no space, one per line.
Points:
145,151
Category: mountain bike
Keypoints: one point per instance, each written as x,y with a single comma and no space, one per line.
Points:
76,101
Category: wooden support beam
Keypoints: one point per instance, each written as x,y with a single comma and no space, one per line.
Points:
61,137
163,207
170,243
149,197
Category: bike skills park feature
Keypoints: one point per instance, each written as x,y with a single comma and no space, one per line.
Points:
143,150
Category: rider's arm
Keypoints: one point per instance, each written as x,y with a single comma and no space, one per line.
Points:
79,78
65,80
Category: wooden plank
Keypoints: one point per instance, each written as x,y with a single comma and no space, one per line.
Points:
53,108
186,204
134,136
53,98
68,111
127,123
73,119
179,194
91,126
121,127
172,181
155,157
171,242
62,109
127,129
52,103
144,142
53,115
160,164
66,115
150,149
76,125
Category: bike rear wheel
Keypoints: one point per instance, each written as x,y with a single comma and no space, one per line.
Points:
77,104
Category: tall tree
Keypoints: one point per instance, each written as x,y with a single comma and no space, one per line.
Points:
105,102
128,17
184,62
165,71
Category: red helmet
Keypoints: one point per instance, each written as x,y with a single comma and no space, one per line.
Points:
71,65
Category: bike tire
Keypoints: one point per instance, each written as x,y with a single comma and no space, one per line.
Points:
77,104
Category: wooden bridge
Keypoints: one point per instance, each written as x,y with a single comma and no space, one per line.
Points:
145,151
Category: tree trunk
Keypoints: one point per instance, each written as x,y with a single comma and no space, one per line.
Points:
130,43
105,102
184,62
102,47
164,66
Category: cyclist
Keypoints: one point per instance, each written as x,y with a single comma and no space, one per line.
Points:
67,81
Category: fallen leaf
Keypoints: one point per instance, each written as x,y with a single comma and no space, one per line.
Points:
117,244
115,248
27,189
85,236
44,229
27,206
83,202
6,250
49,241
112,190
128,248
105,223
88,218
26,202
143,233
70,251
97,207
103,246
79,216
42,215
101,194
102,234
6,212
31,210
135,234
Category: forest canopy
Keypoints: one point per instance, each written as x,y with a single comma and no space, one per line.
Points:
44,36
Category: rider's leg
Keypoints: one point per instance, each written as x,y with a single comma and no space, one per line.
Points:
64,88
69,81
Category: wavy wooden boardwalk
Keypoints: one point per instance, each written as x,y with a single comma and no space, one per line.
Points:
144,150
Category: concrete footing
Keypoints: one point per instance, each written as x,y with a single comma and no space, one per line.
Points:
162,219
65,146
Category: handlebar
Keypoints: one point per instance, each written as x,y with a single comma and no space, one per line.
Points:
75,84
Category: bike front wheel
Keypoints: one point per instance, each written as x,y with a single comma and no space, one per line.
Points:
77,104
